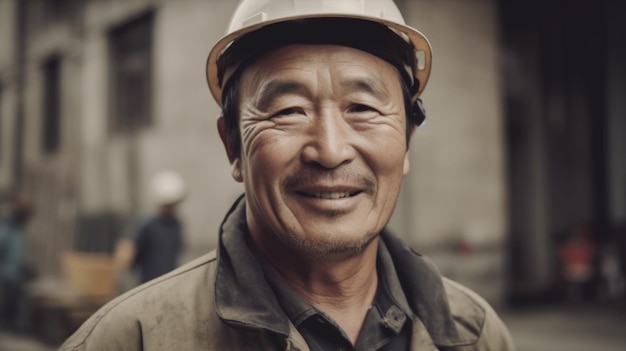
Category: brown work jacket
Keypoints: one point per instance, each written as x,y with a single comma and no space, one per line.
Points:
218,302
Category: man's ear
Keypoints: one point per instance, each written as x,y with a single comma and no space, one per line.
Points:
407,163
233,158
221,128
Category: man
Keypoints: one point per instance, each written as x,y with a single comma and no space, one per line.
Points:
13,265
154,245
319,101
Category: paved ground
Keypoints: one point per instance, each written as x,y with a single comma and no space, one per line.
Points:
10,342
584,327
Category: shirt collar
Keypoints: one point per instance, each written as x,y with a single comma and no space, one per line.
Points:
393,300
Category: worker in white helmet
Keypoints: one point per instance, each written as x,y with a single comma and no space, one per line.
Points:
153,245
319,101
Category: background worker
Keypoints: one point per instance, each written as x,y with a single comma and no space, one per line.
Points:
153,247
14,269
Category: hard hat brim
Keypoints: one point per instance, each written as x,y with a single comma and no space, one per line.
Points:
417,39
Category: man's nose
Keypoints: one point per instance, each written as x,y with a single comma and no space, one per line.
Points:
330,141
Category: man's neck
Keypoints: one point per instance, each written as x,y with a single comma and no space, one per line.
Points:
342,288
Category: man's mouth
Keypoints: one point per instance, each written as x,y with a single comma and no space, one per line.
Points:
334,185
330,194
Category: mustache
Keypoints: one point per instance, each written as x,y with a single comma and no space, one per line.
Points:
311,175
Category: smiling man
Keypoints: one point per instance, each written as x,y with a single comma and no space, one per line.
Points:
319,101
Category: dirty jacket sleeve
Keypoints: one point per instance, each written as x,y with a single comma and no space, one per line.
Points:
493,335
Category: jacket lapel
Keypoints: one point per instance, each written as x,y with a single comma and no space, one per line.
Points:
428,298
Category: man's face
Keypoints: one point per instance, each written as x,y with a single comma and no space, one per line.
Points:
323,148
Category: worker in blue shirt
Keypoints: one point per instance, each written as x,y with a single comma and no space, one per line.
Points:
13,267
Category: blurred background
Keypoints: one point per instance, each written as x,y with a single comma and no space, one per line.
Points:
518,180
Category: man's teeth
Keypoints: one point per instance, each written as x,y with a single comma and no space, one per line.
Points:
331,194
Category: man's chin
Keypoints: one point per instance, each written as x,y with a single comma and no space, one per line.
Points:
332,249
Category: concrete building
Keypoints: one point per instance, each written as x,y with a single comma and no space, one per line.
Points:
97,96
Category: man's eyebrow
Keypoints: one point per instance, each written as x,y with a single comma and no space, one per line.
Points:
277,88
368,85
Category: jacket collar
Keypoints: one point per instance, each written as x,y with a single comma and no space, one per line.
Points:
244,299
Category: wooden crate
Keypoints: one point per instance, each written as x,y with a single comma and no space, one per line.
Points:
59,306
93,274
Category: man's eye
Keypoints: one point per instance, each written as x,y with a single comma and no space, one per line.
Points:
360,108
289,111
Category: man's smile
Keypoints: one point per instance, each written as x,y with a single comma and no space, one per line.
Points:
329,194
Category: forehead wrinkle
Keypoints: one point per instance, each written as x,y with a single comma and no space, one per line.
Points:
367,85
275,88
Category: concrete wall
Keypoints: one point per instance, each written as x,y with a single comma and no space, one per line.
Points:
7,97
186,138
455,194
183,136
47,179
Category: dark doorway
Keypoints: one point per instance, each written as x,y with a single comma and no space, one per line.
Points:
555,79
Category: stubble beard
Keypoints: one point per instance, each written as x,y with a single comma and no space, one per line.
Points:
330,247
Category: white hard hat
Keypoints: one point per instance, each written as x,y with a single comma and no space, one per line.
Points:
252,15
168,188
